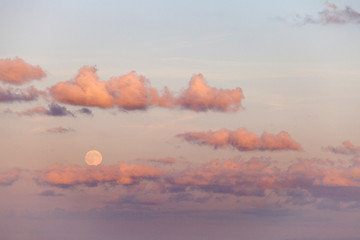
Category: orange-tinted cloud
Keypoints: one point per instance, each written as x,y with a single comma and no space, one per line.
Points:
13,95
332,14
120,174
346,148
132,92
17,71
240,178
242,140
8,178
302,182
201,97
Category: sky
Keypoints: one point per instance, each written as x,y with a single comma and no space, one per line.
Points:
215,120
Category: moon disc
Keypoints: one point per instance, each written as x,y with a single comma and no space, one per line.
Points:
93,157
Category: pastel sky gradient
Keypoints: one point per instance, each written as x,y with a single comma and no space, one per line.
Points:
215,120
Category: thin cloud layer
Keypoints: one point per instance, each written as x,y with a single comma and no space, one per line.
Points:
332,14
59,130
167,160
242,140
17,71
74,175
346,148
8,178
50,193
17,95
132,92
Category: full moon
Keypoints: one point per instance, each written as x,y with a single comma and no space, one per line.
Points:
93,157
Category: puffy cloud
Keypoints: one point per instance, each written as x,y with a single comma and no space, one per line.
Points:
132,92
59,130
8,178
12,95
346,148
242,140
53,110
127,92
201,97
17,71
332,14
120,174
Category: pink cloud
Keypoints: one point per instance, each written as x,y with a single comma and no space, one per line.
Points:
201,97
8,178
13,95
240,178
17,71
120,174
332,14
242,140
132,92
303,182
346,148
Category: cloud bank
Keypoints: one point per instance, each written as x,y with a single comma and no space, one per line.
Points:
301,183
17,71
132,92
242,140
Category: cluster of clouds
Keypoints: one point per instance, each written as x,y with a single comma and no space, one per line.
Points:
127,92
312,182
132,92
347,148
301,183
332,14
18,72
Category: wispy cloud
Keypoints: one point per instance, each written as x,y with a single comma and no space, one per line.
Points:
17,71
59,130
242,140
346,148
132,92
332,14
168,160
9,177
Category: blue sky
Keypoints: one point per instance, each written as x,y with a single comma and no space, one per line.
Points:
296,62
